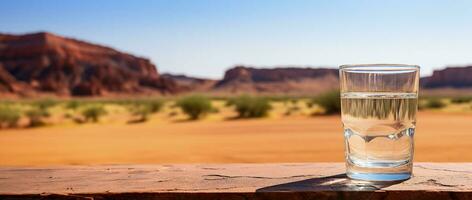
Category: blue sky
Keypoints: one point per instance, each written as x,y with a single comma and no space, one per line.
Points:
205,37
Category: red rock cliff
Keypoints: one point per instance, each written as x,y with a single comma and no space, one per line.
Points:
454,77
286,80
44,62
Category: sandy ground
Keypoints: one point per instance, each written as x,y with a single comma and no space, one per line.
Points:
444,137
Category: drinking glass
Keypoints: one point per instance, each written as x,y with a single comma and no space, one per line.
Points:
378,111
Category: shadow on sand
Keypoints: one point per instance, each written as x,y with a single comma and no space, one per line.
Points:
339,182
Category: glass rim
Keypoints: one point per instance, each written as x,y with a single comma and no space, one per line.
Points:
379,67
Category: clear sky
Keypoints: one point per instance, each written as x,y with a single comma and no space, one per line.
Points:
204,38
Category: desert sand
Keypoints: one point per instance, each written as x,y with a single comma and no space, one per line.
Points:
440,137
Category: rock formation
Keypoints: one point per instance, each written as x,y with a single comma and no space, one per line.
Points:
47,63
451,77
192,84
38,63
286,80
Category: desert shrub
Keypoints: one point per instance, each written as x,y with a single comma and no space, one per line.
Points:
423,101
68,115
421,105
8,116
277,98
310,104
329,101
142,113
93,113
214,110
122,102
36,116
143,108
458,100
173,114
250,107
73,104
45,104
435,103
291,110
195,106
154,105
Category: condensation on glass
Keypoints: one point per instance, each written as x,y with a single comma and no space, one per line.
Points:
378,108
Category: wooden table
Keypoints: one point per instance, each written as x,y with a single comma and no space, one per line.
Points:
229,181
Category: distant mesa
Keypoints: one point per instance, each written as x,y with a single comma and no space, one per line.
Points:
311,81
283,80
46,63
451,77
192,84
290,80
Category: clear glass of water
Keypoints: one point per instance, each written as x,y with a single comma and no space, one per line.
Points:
378,109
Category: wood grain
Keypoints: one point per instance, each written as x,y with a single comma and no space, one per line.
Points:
230,181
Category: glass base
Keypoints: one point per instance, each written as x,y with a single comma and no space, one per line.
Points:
379,176
379,170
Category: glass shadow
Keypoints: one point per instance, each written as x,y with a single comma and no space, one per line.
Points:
339,182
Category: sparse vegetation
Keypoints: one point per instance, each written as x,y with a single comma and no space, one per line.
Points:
421,105
278,98
73,105
329,101
93,113
141,112
26,113
36,116
8,116
292,109
195,106
45,104
154,105
250,107
459,100
141,109
435,103
310,104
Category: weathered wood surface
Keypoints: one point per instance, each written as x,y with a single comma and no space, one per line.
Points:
230,181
